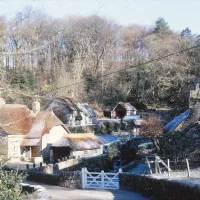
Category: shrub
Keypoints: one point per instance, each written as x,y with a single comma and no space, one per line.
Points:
10,184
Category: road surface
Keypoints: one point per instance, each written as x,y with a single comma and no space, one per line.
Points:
61,193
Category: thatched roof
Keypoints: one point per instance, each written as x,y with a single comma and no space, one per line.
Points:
30,142
16,119
79,142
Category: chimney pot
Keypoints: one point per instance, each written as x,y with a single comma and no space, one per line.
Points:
36,107
2,101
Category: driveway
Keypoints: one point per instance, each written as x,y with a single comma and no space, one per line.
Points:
61,193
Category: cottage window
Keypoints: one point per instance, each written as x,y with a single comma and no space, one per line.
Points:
85,152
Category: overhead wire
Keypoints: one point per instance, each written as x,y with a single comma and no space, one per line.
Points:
124,69
99,77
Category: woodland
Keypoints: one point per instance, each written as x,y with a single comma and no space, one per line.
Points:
96,60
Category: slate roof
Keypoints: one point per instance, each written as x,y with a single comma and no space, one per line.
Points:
79,142
71,103
126,106
86,110
171,126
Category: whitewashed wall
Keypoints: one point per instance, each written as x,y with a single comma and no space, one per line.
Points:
14,149
55,134
87,153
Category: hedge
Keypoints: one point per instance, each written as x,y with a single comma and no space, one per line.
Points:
158,189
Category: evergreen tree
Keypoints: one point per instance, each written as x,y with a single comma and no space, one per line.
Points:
161,26
186,33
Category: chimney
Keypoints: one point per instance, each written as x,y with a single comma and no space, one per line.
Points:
197,86
2,101
36,106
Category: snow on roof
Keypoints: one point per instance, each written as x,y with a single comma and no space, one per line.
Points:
68,102
126,106
171,126
86,110
107,139
79,142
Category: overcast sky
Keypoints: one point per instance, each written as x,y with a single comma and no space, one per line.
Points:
178,13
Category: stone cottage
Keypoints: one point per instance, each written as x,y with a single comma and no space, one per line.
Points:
71,112
28,134
77,146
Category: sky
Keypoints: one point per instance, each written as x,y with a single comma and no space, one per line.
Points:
178,13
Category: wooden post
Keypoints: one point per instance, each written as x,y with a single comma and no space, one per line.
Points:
102,179
83,177
159,167
156,165
188,167
168,167
149,166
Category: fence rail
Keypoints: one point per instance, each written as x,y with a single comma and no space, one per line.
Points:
170,168
100,180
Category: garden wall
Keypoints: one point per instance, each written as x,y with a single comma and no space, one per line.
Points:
97,163
65,179
158,189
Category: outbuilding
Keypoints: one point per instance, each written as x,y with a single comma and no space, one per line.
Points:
77,146
124,109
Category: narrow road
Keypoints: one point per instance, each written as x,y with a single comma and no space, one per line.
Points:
61,193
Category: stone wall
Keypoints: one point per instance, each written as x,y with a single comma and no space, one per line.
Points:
50,179
93,164
158,189
87,153
70,179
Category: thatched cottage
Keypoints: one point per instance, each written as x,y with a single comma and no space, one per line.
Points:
26,133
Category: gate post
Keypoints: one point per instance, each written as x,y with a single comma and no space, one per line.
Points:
102,178
83,178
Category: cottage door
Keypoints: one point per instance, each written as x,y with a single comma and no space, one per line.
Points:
34,151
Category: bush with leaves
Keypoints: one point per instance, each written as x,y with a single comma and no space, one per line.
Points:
10,184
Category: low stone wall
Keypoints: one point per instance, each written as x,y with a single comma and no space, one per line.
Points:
158,189
68,163
65,179
51,179
95,164
70,179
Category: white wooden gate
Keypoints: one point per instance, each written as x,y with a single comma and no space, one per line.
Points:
100,180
